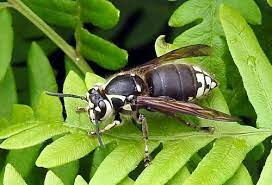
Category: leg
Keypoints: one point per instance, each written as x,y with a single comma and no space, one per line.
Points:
116,122
81,109
142,121
189,124
110,126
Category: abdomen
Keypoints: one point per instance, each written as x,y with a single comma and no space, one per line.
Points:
179,81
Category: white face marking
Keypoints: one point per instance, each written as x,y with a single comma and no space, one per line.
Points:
97,109
132,74
197,69
208,81
213,85
127,107
91,105
200,78
91,115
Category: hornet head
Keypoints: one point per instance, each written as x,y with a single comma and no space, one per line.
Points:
98,108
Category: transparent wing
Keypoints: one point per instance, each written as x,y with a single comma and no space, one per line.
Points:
184,52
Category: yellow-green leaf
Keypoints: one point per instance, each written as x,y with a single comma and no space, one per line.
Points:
252,63
11,176
66,149
6,41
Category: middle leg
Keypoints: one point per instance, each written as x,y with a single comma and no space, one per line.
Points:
141,120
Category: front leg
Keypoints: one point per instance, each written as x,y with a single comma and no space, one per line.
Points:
116,122
81,109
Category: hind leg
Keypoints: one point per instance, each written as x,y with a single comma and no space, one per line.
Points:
194,126
140,118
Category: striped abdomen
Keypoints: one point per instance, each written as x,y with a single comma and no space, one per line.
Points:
179,81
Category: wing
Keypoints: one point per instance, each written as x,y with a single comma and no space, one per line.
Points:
184,52
172,106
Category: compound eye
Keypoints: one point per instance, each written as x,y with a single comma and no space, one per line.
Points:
91,91
100,109
92,98
95,98
102,105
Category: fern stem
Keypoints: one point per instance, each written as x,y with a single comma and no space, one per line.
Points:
76,35
5,5
47,30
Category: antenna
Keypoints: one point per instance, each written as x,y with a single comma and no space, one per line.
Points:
66,95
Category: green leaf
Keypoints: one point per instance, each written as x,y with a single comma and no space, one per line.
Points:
162,170
125,157
21,113
100,51
241,177
52,179
263,31
216,101
66,149
252,63
20,73
17,128
126,181
23,160
48,109
22,40
67,173
209,31
57,12
70,66
91,79
12,176
3,124
179,177
80,181
145,12
6,41
8,95
266,177
162,47
257,152
34,136
99,155
74,85
100,13
224,158
269,2
40,74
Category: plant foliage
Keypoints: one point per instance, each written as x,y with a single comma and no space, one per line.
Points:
39,145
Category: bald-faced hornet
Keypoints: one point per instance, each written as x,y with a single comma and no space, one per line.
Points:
157,85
